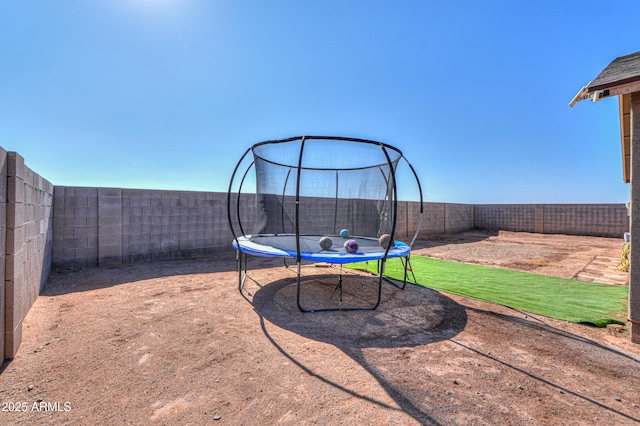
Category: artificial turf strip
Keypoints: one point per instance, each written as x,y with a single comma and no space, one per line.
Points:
560,298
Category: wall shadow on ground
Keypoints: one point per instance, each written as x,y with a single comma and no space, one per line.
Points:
405,318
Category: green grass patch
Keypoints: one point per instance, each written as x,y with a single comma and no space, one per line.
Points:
560,298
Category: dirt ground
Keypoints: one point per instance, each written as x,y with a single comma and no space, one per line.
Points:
176,343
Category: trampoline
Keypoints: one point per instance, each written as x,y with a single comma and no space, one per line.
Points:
319,199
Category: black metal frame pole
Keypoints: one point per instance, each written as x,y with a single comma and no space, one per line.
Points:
297,222
242,259
394,198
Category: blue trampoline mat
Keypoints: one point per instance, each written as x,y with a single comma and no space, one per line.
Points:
284,245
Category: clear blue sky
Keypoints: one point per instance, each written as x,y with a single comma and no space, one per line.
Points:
168,94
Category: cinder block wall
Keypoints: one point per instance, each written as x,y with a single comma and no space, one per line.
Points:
3,242
445,218
507,217
75,226
106,226
601,220
160,225
28,247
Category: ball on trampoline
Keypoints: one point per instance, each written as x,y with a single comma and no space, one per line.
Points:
326,243
344,233
351,246
384,240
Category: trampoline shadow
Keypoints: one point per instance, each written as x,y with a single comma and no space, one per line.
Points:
410,317
405,318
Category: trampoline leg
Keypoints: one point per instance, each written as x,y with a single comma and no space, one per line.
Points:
339,286
375,306
381,265
407,267
242,274
239,268
379,289
298,292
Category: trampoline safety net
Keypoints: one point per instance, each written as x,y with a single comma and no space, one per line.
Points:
334,184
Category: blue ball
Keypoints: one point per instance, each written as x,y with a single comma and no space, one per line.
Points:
344,233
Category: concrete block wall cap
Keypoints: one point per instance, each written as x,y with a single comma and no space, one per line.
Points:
109,192
15,165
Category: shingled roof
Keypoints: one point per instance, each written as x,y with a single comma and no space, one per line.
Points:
620,78
623,70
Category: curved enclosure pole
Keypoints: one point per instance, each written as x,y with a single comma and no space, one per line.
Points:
394,196
386,182
235,170
335,209
298,200
284,191
415,175
238,199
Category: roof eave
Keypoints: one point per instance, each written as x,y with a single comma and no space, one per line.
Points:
580,96
596,93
